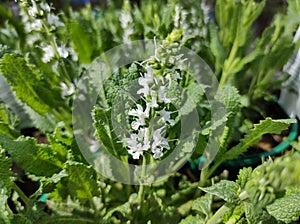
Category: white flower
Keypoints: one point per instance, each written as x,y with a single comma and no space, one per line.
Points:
166,116
67,91
125,19
36,24
162,96
48,53
177,16
157,154
153,102
45,7
138,143
159,143
54,20
140,114
145,81
31,39
33,10
73,54
62,51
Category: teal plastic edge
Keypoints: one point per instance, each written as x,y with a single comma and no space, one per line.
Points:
253,159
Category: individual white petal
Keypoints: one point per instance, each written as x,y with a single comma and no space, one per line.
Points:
135,125
157,154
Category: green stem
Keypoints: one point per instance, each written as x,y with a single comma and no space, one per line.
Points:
24,198
219,214
140,197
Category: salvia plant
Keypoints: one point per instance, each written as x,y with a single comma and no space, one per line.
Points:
49,57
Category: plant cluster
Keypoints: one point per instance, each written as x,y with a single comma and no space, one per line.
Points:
46,57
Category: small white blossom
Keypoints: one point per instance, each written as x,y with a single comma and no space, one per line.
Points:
73,54
33,10
67,91
159,143
48,53
153,102
126,23
140,114
145,81
125,19
138,143
166,116
54,20
36,24
63,51
162,96
45,7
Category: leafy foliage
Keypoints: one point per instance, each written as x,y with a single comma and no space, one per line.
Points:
44,55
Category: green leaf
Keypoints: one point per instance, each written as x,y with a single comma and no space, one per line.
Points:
80,183
286,209
234,214
244,176
44,123
23,80
36,159
264,127
195,93
5,129
203,204
82,41
5,173
216,47
102,122
231,99
193,220
227,190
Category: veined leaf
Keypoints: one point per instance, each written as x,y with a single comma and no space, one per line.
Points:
286,209
244,176
23,80
39,160
5,129
80,183
264,127
105,132
203,204
227,190
5,173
